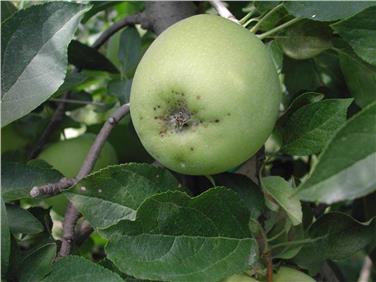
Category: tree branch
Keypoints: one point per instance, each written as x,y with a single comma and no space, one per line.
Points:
71,214
174,13
70,219
52,188
223,11
52,125
101,138
59,112
127,21
87,166
163,14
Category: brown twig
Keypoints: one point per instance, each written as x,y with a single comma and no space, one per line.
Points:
223,11
71,214
59,112
70,219
269,266
101,139
130,20
52,188
156,23
54,121
87,166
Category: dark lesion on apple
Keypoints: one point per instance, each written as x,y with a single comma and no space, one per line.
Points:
180,118
177,116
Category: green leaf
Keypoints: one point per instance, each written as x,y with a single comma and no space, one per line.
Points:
74,268
346,167
177,238
71,81
18,178
276,54
130,50
337,236
272,19
329,70
309,128
284,195
288,245
120,89
360,32
298,102
7,10
33,55
37,263
326,10
22,221
305,70
306,39
114,193
85,57
248,191
360,78
5,240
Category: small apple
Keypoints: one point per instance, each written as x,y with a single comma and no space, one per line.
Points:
287,274
240,278
205,96
67,157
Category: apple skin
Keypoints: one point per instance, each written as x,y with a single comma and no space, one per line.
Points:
67,157
287,274
205,96
240,278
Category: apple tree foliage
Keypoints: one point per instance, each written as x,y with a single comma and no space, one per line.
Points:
306,203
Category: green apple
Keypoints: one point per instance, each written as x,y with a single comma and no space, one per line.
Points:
286,274
205,96
11,140
67,157
240,278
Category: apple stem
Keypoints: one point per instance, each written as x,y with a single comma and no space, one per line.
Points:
243,20
255,28
223,11
250,21
278,28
